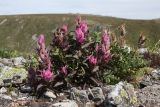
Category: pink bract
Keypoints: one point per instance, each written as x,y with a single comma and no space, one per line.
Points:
107,57
105,38
92,60
65,28
80,38
63,70
47,75
41,39
84,27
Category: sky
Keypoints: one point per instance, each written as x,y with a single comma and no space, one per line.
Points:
131,9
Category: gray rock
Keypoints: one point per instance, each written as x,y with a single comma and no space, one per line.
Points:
7,62
149,96
6,97
98,96
16,79
122,95
3,90
4,102
107,89
90,104
79,95
1,65
151,79
49,94
67,103
18,61
7,82
13,94
25,89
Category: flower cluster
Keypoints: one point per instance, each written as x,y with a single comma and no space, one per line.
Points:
103,49
80,59
46,74
60,38
81,30
70,58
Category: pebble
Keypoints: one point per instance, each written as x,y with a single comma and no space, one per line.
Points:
26,89
6,97
3,90
49,94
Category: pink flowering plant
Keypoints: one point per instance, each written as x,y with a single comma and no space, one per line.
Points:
81,58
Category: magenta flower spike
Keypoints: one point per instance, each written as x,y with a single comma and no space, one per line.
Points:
84,27
80,38
41,40
105,38
107,57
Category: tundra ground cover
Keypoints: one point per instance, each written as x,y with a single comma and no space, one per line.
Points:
82,58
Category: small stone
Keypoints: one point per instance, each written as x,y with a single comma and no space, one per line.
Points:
98,93
6,97
69,103
26,89
7,62
79,95
1,65
7,82
16,80
49,94
13,94
13,104
3,90
90,104
18,61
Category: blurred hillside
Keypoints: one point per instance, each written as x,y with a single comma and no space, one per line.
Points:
19,32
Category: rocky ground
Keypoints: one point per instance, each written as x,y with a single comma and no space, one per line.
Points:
14,93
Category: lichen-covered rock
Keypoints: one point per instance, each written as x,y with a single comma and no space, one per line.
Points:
6,62
10,73
149,96
121,95
98,96
18,61
79,95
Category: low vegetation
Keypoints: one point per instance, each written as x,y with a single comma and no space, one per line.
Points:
83,58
